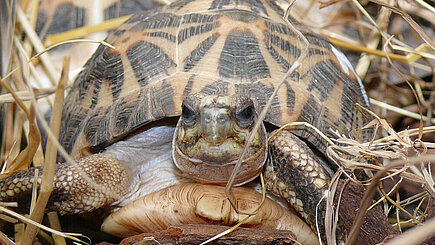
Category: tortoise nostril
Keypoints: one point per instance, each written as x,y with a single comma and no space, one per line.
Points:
216,125
222,118
208,118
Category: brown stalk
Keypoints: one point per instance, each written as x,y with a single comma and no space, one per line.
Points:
396,204
362,49
50,163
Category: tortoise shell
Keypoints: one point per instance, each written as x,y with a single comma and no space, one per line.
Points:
211,47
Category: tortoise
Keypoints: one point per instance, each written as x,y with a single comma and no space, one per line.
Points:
184,87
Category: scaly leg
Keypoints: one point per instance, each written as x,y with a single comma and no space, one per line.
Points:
72,192
295,173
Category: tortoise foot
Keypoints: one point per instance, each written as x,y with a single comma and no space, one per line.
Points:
93,182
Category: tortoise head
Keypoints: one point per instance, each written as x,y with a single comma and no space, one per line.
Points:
210,137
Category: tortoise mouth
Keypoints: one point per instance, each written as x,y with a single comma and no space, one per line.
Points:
204,152
215,164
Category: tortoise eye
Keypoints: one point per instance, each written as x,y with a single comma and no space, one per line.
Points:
188,115
245,116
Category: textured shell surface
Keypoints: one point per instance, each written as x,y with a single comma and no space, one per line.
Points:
213,47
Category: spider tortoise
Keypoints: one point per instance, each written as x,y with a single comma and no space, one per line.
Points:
184,87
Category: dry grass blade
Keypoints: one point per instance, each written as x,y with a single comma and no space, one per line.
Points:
5,239
331,217
26,156
57,45
25,95
401,111
53,219
363,49
410,21
416,235
7,25
24,219
85,31
407,132
37,44
50,164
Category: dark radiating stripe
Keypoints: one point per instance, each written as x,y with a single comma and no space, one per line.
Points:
72,119
95,92
219,4
105,66
216,88
310,112
165,35
198,53
241,57
118,32
242,15
163,99
114,73
255,5
148,61
153,103
188,88
290,97
316,40
121,113
315,51
91,74
157,21
279,28
189,32
284,45
277,56
325,75
97,127
198,18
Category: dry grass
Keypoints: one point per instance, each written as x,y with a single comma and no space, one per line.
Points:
393,52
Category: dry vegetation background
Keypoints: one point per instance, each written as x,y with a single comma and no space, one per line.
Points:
391,44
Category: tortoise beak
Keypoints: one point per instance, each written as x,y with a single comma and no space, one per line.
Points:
216,125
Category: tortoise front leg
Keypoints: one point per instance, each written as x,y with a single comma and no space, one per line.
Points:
295,173
72,192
